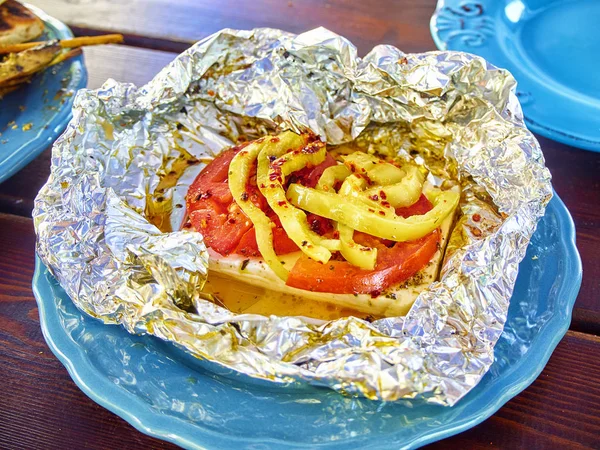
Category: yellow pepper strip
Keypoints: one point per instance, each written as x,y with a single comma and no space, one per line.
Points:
354,185
356,254
403,193
377,170
359,255
239,172
332,175
271,175
357,215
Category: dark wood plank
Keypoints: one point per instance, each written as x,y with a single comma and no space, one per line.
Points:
126,64
42,408
366,24
135,40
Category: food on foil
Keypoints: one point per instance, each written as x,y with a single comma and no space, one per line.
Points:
24,59
290,214
106,224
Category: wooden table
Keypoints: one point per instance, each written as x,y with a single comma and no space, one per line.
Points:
40,407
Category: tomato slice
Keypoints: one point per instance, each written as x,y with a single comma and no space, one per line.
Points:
418,208
222,228
211,209
394,265
396,262
281,242
226,229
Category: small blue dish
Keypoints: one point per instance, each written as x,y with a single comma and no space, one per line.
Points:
168,394
552,47
33,116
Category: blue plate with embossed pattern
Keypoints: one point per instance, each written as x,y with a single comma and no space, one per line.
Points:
33,116
170,395
552,47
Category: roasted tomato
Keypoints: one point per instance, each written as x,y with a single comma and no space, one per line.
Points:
227,230
225,227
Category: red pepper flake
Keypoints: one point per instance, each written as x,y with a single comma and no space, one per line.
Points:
313,147
282,202
382,213
211,92
374,197
315,225
371,210
375,294
244,196
382,195
231,221
275,175
275,139
386,204
476,217
336,234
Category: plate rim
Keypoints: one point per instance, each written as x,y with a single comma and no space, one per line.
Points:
539,127
34,147
145,420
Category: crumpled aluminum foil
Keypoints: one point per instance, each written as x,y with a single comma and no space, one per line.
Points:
447,106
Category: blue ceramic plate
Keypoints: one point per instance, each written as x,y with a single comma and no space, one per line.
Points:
552,47
165,393
33,116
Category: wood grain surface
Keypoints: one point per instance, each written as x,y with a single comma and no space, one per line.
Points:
40,407
161,22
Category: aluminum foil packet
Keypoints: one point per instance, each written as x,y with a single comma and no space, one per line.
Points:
120,150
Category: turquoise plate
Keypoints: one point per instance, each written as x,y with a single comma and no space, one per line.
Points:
552,47
33,116
167,394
